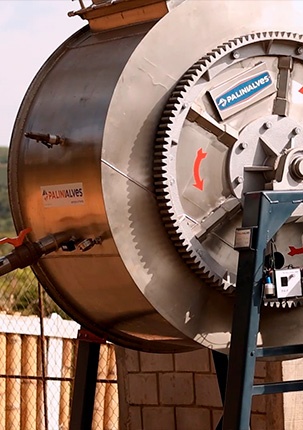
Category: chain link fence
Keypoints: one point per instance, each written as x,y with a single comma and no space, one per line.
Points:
38,346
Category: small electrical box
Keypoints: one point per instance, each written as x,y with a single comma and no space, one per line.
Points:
288,283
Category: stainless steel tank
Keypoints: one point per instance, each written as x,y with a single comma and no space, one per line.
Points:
141,141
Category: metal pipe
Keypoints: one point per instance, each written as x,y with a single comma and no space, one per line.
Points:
30,252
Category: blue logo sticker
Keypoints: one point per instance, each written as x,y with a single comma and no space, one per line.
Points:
243,91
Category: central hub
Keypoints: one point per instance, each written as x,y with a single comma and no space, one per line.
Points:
296,168
267,156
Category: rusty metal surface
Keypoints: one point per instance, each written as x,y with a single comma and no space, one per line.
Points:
103,15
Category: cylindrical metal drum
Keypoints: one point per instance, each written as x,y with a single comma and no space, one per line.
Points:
147,137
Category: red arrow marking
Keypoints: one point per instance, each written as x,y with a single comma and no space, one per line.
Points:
301,90
294,251
199,183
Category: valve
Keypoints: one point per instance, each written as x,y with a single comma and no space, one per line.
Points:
87,244
49,140
28,253
18,240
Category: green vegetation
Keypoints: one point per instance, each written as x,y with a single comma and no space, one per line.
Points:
6,224
3,155
18,289
3,174
19,294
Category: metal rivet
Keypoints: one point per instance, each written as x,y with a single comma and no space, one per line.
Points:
235,55
243,145
268,124
299,50
239,180
297,130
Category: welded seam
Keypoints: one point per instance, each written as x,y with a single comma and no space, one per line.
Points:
111,166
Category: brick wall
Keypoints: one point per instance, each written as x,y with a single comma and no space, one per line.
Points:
180,392
292,402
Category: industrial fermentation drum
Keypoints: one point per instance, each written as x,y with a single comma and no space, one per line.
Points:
138,142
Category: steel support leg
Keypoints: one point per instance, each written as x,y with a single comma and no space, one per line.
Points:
84,385
263,215
221,366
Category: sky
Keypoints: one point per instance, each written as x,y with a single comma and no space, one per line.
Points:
30,31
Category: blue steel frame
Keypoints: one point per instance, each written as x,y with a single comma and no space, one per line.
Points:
264,213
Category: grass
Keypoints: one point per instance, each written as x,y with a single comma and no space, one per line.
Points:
3,175
3,155
3,166
6,225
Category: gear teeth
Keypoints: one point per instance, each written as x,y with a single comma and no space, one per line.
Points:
165,126
160,140
163,144
164,163
159,189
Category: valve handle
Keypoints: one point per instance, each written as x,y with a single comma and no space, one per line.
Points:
18,240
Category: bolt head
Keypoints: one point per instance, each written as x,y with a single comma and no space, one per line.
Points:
243,145
235,55
268,125
297,130
239,180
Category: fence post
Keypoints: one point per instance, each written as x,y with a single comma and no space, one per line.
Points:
98,418
28,376
41,385
54,368
111,406
29,386
2,380
13,385
65,394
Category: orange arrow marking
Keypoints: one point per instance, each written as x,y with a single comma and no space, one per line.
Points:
199,182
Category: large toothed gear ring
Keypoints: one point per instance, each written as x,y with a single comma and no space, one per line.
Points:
231,125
